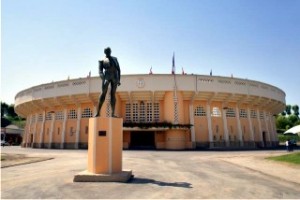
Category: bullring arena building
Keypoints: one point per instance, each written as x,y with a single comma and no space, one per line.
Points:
159,111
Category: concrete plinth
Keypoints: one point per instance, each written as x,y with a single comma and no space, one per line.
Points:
104,152
87,176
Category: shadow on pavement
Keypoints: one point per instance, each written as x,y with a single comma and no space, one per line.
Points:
159,183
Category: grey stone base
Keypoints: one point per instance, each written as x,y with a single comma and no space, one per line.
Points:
87,176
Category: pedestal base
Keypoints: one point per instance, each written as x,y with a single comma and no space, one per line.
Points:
87,176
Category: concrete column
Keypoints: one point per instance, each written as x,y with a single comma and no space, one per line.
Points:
226,137
42,129
34,131
208,115
250,126
267,127
64,129
28,133
260,129
192,122
239,127
51,130
267,119
272,120
78,128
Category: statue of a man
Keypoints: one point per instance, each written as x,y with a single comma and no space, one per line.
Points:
111,75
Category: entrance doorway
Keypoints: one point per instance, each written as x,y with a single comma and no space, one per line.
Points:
142,140
264,138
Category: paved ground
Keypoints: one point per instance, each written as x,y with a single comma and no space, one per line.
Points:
158,174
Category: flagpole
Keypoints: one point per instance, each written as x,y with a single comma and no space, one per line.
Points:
175,99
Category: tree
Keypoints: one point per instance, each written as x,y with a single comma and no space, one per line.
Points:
282,122
5,122
288,109
287,118
296,110
8,116
11,111
293,119
4,108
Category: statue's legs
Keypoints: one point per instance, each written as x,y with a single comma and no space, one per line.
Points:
113,97
105,84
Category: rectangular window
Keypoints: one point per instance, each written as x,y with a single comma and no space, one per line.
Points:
86,129
48,116
243,113
199,111
142,112
216,112
87,113
40,118
59,115
58,131
230,112
261,115
149,112
135,115
127,112
72,114
253,114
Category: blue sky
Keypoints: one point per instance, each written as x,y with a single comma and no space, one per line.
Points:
51,40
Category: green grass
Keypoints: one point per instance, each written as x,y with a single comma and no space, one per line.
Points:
290,158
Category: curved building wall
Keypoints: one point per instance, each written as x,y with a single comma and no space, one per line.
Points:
223,112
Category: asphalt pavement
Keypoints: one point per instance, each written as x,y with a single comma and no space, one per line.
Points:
157,175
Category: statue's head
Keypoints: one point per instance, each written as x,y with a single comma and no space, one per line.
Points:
107,51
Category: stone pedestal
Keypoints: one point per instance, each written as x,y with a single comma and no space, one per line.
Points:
104,152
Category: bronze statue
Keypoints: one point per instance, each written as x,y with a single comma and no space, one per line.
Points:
111,76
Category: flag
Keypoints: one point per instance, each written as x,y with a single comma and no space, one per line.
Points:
173,63
150,70
211,72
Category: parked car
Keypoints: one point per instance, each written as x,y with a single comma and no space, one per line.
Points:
4,143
